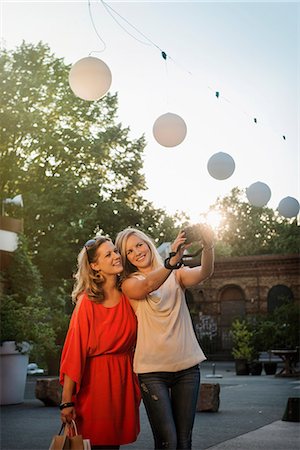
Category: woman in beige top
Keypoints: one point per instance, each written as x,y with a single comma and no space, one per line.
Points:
167,353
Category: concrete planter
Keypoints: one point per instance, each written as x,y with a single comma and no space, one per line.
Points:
242,367
13,363
270,367
256,368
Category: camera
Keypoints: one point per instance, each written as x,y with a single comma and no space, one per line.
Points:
193,233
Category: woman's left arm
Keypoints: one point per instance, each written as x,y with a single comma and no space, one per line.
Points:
191,276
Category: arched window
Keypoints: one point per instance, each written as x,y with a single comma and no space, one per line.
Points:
279,295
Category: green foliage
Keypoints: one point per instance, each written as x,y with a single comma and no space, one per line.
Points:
287,322
24,315
278,330
24,277
76,167
242,340
248,230
263,333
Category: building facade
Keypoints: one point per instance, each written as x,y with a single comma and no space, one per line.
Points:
242,287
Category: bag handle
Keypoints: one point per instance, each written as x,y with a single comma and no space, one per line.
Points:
66,427
61,429
74,426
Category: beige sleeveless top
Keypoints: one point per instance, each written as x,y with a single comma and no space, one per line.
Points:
166,340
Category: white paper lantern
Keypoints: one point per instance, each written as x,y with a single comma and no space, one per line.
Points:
221,166
258,194
288,207
169,130
90,78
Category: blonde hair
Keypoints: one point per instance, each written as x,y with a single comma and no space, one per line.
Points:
87,279
121,242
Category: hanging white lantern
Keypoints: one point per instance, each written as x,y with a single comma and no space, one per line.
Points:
258,194
288,207
221,166
90,78
169,130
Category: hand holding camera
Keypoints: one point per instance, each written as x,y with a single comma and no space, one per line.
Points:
199,232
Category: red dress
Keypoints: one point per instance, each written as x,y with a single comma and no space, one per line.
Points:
97,355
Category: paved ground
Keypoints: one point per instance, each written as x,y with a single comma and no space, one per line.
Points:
249,417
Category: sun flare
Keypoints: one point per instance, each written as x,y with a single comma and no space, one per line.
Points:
214,219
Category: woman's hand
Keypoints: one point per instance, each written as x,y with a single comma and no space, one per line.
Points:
68,414
178,247
207,236
191,276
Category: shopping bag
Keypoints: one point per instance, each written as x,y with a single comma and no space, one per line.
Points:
60,441
69,439
76,440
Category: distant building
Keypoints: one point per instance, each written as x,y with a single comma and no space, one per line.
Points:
241,287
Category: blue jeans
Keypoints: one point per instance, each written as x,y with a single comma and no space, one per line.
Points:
170,399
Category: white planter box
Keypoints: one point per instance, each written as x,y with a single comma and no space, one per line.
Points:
13,366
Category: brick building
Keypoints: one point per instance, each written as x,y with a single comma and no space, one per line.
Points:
241,287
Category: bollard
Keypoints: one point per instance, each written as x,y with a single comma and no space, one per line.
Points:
213,374
292,410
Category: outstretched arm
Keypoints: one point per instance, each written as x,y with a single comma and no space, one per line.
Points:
139,288
191,276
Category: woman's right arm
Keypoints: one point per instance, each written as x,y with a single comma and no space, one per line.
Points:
73,357
69,413
139,288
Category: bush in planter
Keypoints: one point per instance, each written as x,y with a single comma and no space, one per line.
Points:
243,349
264,339
286,319
279,330
24,316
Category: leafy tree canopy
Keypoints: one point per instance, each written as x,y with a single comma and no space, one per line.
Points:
75,166
249,230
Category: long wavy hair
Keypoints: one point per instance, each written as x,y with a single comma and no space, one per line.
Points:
121,242
87,279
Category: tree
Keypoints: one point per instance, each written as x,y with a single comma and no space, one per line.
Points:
249,230
75,166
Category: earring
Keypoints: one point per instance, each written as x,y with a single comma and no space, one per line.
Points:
99,276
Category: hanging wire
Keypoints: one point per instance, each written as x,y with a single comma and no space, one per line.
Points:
109,9
164,55
95,29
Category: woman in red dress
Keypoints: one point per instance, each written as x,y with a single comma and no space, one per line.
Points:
100,389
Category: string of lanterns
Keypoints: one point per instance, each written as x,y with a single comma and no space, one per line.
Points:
90,79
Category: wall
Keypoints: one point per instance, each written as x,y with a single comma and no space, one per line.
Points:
241,287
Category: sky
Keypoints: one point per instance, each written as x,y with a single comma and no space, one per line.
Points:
246,51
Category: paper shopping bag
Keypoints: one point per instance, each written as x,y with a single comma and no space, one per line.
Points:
70,439
60,441
76,440
77,443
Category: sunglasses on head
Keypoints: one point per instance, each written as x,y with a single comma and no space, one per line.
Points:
88,245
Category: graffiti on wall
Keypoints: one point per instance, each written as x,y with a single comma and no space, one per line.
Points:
206,327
